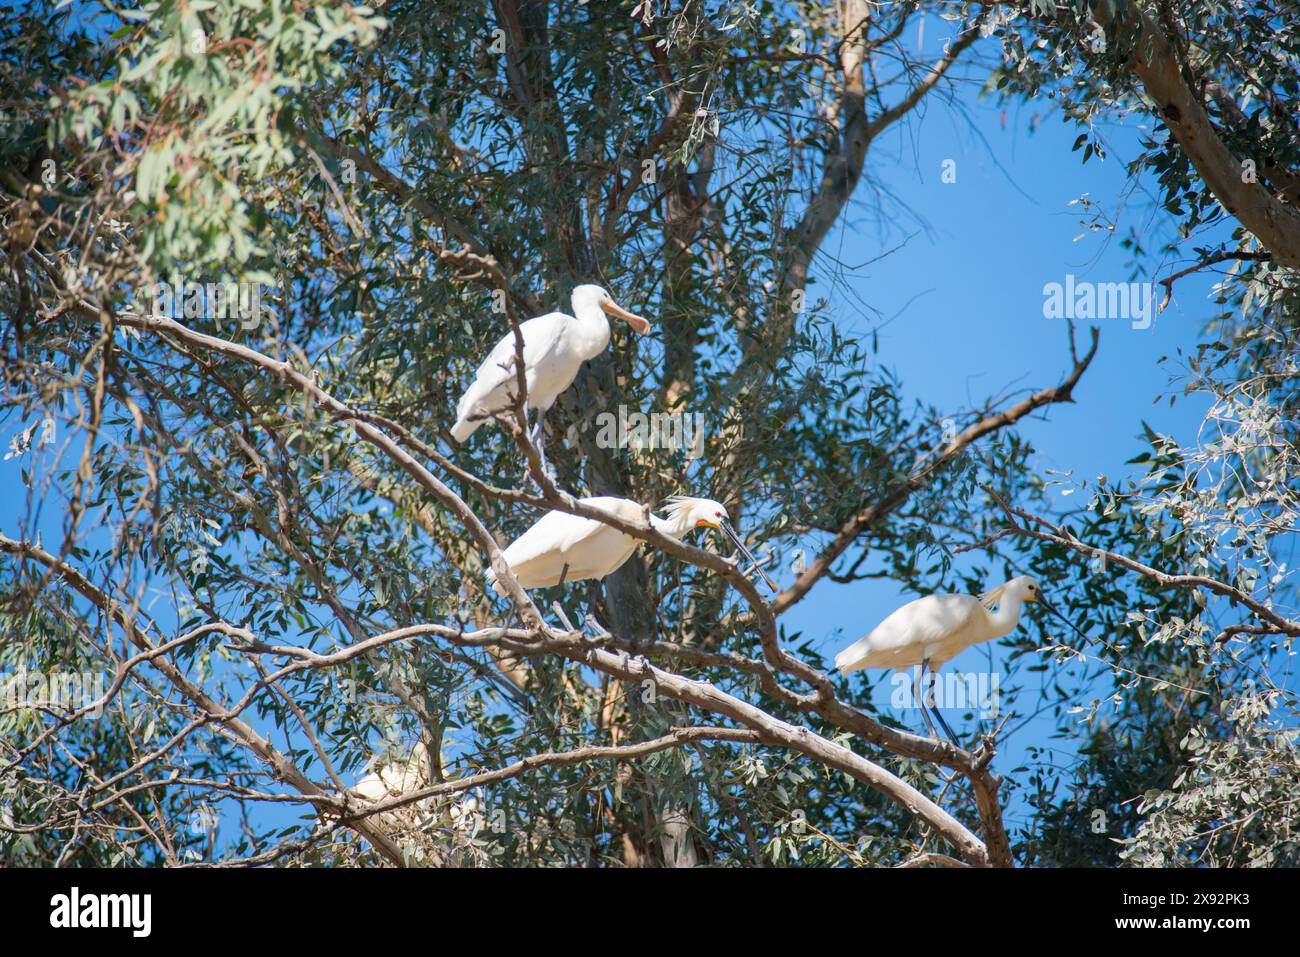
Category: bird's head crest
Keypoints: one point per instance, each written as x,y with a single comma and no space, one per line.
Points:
990,598
687,505
676,503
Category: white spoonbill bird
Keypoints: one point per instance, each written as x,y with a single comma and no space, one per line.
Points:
396,778
432,827
936,628
391,780
554,348
560,547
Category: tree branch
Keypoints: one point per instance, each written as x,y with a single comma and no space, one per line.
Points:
1154,62
851,529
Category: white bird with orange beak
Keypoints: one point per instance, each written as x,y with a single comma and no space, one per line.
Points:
561,547
554,348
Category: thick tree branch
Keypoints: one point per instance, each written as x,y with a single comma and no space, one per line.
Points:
1153,61
1059,535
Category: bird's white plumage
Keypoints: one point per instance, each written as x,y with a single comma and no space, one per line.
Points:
397,778
937,628
435,830
546,373
590,548
554,348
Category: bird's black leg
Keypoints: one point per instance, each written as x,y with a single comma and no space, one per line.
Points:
944,724
535,431
556,606
537,435
930,692
920,700
599,631
534,436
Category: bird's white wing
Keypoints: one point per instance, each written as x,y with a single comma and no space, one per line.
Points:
372,787
558,532
542,336
624,508
553,533
911,634
589,547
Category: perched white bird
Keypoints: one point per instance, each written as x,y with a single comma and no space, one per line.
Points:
431,829
936,628
560,547
554,348
392,780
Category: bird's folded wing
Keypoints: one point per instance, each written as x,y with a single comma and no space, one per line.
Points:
553,533
541,335
945,615
918,623
491,390
577,530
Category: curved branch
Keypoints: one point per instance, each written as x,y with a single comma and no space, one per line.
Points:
1153,60
877,510
280,764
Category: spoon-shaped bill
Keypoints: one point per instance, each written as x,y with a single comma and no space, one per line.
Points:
639,325
740,546
1052,608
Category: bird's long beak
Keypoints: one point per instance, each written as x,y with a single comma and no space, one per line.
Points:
639,325
1052,608
740,546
